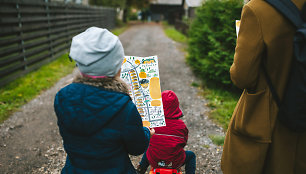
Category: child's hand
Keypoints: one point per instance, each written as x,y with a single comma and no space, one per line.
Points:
152,131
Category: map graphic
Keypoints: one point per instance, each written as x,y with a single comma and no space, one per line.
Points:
142,75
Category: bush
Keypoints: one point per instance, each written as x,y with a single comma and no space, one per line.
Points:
133,16
212,39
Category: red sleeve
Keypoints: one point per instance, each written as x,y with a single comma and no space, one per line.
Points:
186,134
185,130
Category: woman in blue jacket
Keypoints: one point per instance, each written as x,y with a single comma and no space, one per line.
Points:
97,119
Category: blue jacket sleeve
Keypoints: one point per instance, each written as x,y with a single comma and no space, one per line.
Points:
135,136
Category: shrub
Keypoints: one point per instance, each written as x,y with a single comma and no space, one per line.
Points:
133,16
212,39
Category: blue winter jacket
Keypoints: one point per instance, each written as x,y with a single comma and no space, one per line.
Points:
100,129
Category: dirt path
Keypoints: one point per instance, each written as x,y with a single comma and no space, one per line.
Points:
30,142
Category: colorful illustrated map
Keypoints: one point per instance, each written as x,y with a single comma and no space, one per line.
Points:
142,75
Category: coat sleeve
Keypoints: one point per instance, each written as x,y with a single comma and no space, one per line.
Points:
249,50
135,136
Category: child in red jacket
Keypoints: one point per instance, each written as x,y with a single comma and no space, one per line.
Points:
166,148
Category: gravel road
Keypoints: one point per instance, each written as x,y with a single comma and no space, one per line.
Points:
30,141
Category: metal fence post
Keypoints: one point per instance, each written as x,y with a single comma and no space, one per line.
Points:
49,28
21,36
66,27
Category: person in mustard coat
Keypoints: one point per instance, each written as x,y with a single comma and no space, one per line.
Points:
256,142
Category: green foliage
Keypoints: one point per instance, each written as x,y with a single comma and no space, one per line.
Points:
175,35
117,31
195,84
172,33
22,90
206,146
132,16
217,139
120,23
222,103
212,39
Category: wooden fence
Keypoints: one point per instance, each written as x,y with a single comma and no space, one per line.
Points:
35,32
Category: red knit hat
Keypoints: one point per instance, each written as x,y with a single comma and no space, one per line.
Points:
171,105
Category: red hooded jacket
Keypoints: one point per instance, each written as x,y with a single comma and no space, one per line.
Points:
166,148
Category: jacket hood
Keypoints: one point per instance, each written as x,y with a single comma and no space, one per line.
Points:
85,109
171,105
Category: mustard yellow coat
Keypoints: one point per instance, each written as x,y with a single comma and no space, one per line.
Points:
256,142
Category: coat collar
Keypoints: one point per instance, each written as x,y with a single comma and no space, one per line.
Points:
109,83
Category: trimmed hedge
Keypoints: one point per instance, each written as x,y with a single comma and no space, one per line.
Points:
212,40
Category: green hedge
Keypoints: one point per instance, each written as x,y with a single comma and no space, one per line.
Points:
212,39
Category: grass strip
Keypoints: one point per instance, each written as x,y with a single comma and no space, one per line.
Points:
24,89
122,27
120,30
222,103
217,139
172,33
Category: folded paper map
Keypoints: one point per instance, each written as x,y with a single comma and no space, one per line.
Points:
142,75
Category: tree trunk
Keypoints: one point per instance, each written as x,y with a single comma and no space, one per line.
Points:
125,15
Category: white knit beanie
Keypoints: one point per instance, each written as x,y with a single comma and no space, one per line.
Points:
97,52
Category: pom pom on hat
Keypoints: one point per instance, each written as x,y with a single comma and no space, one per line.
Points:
97,52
